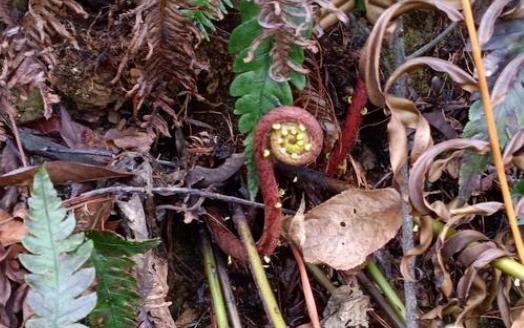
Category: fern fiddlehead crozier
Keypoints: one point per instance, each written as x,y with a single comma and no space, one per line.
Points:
290,135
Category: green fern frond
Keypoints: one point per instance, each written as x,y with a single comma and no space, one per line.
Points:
206,12
56,280
116,287
258,93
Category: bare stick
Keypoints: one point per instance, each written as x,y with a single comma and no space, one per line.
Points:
410,294
428,46
172,190
229,298
18,141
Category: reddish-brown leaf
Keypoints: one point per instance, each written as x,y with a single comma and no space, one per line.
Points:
62,172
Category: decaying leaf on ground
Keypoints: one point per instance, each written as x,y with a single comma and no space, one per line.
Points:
345,229
151,270
347,307
62,172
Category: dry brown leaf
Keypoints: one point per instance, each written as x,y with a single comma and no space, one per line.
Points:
347,307
517,314
513,152
370,59
12,229
506,78
425,239
62,172
420,169
130,139
345,229
404,113
151,270
375,8
487,23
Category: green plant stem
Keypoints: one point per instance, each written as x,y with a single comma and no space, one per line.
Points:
506,265
234,317
210,267
372,289
255,264
320,277
368,285
387,289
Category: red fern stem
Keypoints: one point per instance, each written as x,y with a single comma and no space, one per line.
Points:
350,130
290,135
287,134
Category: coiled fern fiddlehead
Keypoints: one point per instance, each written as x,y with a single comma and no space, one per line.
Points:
290,135
287,134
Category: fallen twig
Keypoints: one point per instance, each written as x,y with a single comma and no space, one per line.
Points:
407,243
172,190
428,46
227,292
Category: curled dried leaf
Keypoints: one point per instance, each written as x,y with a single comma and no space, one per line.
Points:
404,113
425,239
506,79
420,169
370,59
487,23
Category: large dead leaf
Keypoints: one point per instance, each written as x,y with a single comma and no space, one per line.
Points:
345,229
62,172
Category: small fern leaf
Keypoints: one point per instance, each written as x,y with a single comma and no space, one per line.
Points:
258,93
116,287
56,279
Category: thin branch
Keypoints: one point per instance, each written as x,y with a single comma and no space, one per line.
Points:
172,190
407,242
229,298
428,46
14,129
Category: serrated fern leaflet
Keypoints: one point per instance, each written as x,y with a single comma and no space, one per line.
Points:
205,12
116,286
55,259
257,89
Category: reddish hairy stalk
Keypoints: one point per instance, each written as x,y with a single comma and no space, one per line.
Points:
350,130
287,134
268,135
